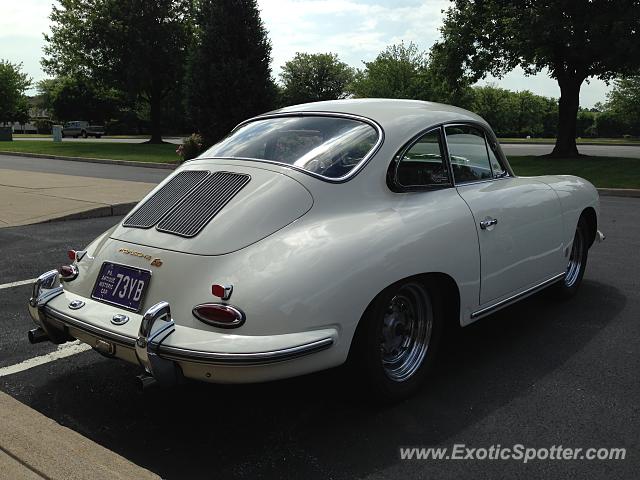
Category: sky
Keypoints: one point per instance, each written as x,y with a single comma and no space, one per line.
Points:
356,30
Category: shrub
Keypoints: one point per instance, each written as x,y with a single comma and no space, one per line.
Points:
191,147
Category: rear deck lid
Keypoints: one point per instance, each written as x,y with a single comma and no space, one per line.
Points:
213,209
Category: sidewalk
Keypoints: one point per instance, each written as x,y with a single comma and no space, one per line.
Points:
33,446
34,197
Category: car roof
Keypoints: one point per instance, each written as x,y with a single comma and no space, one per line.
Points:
393,115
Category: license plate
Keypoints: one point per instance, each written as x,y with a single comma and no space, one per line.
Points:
121,285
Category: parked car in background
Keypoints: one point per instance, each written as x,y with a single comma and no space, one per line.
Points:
80,128
349,230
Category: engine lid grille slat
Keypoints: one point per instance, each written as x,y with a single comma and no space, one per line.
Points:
196,210
164,200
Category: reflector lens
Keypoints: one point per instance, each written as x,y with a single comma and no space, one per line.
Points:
218,315
72,255
217,290
68,272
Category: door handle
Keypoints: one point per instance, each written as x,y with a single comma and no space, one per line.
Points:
489,222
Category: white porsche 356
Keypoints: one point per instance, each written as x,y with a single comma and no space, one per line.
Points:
316,234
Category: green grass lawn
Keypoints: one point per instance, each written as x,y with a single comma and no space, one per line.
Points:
137,152
42,135
605,172
608,141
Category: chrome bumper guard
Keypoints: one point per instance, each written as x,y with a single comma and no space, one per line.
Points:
155,327
46,287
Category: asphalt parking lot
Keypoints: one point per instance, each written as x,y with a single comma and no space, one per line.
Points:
539,373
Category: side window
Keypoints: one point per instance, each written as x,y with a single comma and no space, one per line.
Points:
468,152
423,165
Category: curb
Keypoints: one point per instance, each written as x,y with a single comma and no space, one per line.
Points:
39,447
619,192
106,211
130,163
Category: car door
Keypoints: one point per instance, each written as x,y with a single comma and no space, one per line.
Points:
518,220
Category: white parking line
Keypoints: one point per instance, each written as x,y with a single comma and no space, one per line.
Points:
17,284
63,351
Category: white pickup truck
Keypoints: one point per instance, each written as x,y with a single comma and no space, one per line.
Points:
81,128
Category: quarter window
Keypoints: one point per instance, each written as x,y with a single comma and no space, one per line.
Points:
468,153
496,166
423,165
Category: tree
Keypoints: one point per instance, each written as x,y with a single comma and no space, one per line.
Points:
228,73
623,103
315,77
573,39
69,98
399,71
135,46
13,84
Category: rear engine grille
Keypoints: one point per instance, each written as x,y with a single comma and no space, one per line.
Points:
203,203
156,207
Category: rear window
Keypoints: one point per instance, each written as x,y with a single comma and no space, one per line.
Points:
331,147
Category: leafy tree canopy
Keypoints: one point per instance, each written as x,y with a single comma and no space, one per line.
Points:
77,98
228,73
399,71
572,39
623,103
136,46
315,77
13,84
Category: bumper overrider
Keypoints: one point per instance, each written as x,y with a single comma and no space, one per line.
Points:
162,363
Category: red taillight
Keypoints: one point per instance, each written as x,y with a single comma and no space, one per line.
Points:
68,273
218,315
72,255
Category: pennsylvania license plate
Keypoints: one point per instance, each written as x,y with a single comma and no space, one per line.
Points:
121,285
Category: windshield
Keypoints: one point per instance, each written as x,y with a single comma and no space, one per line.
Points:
328,146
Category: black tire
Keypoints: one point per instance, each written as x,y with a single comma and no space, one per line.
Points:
98,136
84,134
577,263
386,353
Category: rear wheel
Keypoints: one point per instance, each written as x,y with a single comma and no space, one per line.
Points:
84,134
396,342
577,262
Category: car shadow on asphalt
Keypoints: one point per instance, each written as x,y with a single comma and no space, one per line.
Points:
317,426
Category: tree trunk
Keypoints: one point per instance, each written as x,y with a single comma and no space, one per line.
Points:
567,118
155,112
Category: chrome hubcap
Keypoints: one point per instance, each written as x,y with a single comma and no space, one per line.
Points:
575,260
406,332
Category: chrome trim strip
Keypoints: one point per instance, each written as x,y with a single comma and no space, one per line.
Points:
258,358
91,329
503,303
209,358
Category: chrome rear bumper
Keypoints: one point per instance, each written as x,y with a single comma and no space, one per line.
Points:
160,361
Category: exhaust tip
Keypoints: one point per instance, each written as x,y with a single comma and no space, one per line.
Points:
145,381
37,335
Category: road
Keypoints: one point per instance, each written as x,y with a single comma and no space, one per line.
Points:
539,373
84,169
508,148
518,149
